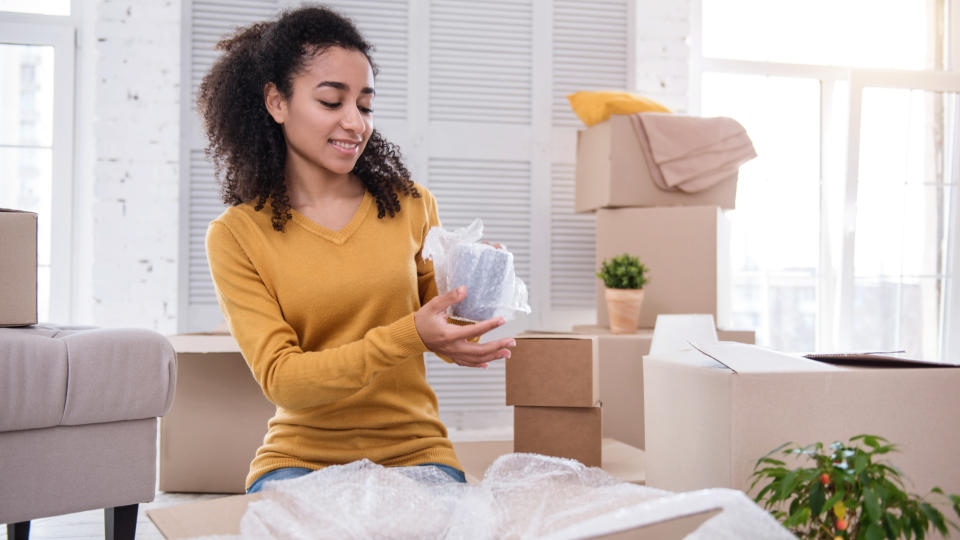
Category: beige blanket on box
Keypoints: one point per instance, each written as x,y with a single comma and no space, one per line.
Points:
691,153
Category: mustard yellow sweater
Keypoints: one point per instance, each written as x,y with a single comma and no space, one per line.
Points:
325,321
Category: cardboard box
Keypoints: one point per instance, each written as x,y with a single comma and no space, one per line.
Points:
569,432
709,418
18,268
612,172
621,377
218,420
620,460
222,517
553,370
686,250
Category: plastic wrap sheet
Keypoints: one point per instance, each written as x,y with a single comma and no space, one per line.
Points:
521,496
459,258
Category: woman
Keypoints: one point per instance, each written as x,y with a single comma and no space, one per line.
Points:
317,262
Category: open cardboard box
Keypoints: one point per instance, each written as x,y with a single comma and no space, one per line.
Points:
612,172
711,413
222,516
18,268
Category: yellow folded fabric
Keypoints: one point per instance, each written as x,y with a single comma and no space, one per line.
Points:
596,107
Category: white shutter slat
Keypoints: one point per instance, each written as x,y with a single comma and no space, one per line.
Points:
480,55
205,205
384,24
590,42
572,249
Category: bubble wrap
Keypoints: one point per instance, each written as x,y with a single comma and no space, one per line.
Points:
521,496
493,288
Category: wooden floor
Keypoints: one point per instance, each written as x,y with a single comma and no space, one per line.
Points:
89,525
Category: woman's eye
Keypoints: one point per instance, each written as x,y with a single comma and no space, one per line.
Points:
365,110
328,104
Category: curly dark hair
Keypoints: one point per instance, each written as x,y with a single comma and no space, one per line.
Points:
247,146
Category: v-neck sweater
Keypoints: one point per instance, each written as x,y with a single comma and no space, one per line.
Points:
324,320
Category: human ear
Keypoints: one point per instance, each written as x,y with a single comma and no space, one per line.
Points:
275,102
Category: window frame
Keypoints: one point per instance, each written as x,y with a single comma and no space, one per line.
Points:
59,32
835,278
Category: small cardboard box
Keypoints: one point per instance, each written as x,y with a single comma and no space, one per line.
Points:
621,377
686,251
568,432
18,268
612,172
710,415
553,370
218,420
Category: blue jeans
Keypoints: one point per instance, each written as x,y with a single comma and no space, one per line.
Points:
287,473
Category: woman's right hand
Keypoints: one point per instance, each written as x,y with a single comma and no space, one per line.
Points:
451,340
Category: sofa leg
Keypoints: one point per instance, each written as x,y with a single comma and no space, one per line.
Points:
18,531
120,522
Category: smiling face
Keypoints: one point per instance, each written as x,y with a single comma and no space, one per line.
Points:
328,118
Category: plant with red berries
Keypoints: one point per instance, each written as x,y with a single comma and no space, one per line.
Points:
847,494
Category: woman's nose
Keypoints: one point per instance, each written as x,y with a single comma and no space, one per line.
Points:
352,120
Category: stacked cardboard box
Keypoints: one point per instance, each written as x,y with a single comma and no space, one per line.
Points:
18,268
553,382
682,238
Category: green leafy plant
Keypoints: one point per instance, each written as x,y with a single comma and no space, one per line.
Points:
846,494
623,272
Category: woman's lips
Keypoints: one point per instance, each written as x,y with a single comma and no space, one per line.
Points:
348,148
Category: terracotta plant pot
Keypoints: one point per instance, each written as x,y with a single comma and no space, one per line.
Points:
623,305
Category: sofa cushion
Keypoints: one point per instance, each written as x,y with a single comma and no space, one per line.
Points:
105,375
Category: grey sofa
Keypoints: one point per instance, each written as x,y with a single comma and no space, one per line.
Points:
78,422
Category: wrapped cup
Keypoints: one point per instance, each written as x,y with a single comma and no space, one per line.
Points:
493,288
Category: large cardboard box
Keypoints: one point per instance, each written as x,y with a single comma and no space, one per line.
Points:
621,377
612,172
710,415
686,251
218,419
568,432
18,268
553,370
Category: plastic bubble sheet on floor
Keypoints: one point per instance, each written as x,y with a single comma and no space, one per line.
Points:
520,496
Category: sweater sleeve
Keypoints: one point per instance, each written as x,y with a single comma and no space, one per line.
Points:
289,376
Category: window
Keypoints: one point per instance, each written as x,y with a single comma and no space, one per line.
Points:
845,221
36,136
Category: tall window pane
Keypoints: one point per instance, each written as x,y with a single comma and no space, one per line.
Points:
26,145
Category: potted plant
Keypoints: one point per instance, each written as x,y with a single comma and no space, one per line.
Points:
846,494
624,278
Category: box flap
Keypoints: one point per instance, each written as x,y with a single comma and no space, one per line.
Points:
742,358
675,332
214,517
875,359
203,343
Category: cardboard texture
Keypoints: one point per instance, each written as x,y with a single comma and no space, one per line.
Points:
223,516
611,172
568,432
218,420
686,250
18,268
708,422
620,460
553,370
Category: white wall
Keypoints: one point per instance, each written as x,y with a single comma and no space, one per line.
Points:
128,163
128,148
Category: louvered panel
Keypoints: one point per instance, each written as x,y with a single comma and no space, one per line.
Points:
498,192
462,389
384,24
572,246
481,61
205,205
590,41
212,21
